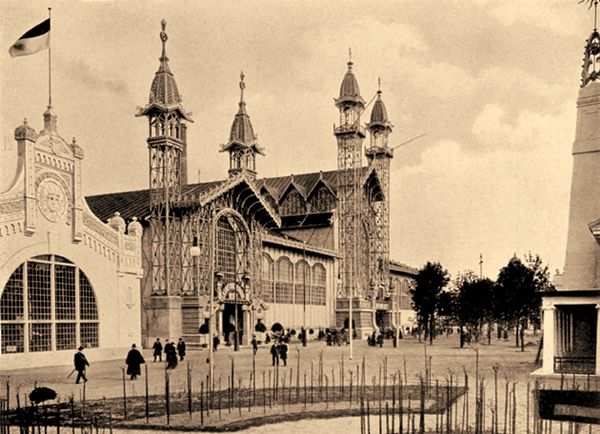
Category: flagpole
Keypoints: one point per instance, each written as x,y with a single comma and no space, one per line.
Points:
49,61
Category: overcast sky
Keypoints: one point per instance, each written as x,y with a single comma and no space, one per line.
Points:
492,84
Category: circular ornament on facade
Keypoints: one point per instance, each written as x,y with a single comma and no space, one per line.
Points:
52,199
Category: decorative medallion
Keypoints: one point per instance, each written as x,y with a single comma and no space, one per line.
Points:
52,199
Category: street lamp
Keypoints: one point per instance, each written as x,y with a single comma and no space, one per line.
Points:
195,253
236,342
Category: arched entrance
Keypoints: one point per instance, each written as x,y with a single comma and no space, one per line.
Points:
235,314
233,258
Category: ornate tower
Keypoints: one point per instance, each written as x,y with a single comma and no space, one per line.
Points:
167,146
242,146
379,154
582,262
350,136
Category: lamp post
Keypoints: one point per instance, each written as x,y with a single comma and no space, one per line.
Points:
195,253
245,280
211,328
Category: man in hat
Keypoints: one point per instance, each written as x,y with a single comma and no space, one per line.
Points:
80,362
157,350
134,361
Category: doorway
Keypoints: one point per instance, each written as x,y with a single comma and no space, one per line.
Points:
229,312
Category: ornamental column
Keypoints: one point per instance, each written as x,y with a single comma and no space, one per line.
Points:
549,339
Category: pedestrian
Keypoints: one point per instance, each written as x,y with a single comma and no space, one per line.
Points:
133,361
80,362
165,349
380,340
283,350
216,342
181,349
171,355
157,350
275,353
254,344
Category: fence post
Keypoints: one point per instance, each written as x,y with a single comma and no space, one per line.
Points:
124,395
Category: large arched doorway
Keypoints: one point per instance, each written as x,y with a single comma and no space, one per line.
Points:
233,262
48,304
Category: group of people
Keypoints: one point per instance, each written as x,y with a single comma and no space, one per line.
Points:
279,351
171,351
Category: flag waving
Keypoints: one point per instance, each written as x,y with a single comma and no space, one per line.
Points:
36,39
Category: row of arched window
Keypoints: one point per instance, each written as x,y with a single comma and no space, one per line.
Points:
299,283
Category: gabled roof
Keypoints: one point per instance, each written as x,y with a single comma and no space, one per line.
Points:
137,203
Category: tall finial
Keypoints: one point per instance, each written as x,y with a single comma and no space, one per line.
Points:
379,86
350,58
591,3
163,38
242,86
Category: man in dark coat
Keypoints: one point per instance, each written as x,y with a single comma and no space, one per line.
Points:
80,362
216,342
254,344
157,350
181,349
171,354
275,353
283,350
133,362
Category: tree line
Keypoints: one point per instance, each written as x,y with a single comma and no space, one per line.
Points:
474,304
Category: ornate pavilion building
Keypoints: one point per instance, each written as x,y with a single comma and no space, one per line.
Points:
288,249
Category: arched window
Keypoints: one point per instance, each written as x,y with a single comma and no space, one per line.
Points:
405,298
285,282
48,304
232,248
268,278
302,293
319,284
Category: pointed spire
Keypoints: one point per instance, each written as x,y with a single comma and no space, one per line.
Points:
379,116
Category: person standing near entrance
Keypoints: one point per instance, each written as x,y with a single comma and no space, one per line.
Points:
80,362
254,344
157,350
181,349
275,353
283,350
133,361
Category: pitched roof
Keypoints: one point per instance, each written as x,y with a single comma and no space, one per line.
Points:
137,203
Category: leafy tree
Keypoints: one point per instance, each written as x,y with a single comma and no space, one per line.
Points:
518,295
472,304
429,282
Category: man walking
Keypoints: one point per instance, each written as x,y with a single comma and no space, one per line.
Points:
157,350
80,362
133,362
181,349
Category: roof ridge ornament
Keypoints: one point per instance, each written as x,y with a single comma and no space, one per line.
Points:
163,38
242,87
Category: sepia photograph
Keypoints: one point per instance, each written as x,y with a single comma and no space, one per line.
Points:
264,216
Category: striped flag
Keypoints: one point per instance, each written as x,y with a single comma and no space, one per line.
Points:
36,39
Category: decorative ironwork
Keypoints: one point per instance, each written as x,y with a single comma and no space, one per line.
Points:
575,365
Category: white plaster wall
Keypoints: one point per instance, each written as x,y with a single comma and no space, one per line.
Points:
118,309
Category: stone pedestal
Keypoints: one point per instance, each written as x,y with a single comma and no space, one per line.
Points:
362,315
163,315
